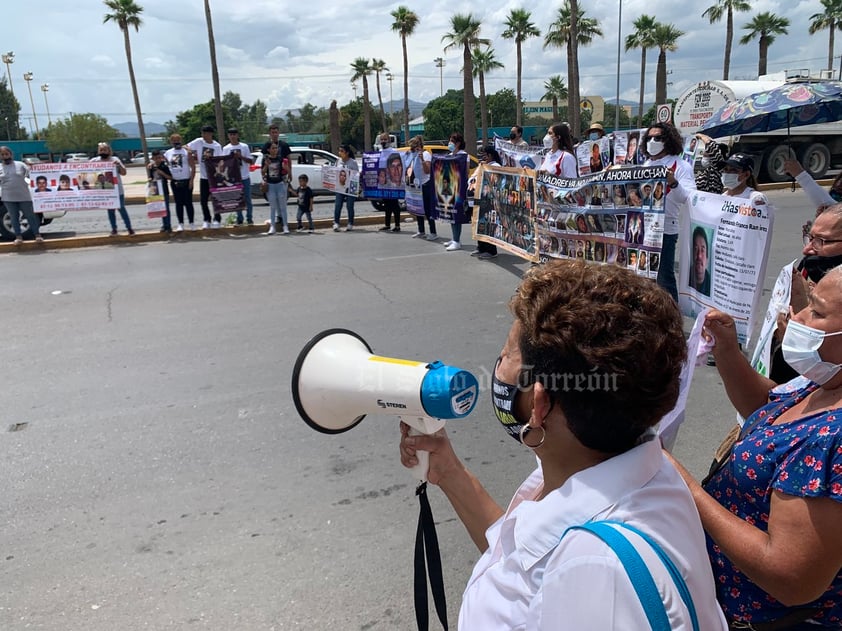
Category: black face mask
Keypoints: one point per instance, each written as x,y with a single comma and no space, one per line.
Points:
837,197
105,156
512,136
818,266
7,161
503,397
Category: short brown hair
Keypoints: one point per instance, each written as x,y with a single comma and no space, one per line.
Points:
606,344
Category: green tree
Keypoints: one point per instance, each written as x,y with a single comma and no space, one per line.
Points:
642,38
352,124
570,30
444,114
519,27
9,112
555,90
504,105
484,62
362,70
79,132
766,27
190,122
404,24
126,14
378,66
217,100
610,115
830,19
666,38
726,8
464,34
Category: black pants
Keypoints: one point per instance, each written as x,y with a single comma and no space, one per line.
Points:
482,246
204,198
183,198
428,195
392,207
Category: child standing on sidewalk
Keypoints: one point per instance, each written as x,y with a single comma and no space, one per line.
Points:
305,203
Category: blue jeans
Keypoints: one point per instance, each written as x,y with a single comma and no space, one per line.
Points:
337,208
277,195
249,205
15,209
112,217
456,231
666,272
304,213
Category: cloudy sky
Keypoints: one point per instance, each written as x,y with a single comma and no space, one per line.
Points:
288,53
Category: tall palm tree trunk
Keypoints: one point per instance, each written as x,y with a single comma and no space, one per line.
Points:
366,115
642,86
140,128
661,78
519,114
405,91
729,36
470,132
483,108
833,27
555,109
217,98
573,69
764,56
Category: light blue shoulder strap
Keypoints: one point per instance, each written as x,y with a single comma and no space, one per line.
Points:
639,574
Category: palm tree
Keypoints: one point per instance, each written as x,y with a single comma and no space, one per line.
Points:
378,66
126,13
483,62
714,14
555,90
464,33
665,36
831,20
404,24
571,26
766,27
362,70
217,99
642,38
519,28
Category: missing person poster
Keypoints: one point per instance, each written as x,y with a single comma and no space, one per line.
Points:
156,204
724,249
74,186
450,182
383,174
504,210
226,185
341,180
518,156
613,217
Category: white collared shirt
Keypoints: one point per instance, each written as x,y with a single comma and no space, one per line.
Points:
529,580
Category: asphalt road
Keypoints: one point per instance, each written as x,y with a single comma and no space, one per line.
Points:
158,476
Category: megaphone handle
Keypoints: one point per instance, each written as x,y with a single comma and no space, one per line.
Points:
420,470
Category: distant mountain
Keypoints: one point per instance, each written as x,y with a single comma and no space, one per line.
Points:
396,106
130,129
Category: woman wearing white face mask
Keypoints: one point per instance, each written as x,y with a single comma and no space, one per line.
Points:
560,161
772,511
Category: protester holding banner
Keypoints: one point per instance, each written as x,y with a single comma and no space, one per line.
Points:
104,151
772,510
488,156
391,207
738,177
422,176
159,172
572,385
709,178
456,145
16,195
203,148
243,153
561,159
819,197
663,147
346,161
516,137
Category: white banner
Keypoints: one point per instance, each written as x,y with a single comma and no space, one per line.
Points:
341,180
74,186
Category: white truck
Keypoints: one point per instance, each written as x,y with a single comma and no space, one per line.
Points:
817,147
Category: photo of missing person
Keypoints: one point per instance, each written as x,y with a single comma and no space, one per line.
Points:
632,259
582,224
620,195
599,252
64,183
700,267
654,261
622,257
41,185
634,227
631,154
621,224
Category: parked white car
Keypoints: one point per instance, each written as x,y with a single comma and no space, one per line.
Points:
303,160
6,232
76,157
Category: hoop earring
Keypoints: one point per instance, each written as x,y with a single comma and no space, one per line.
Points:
526,429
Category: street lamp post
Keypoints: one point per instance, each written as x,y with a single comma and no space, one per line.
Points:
8,133
354,86
45,88
390,77
28,76
440,64
8,59
619,46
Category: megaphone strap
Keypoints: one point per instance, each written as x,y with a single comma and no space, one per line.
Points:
427,546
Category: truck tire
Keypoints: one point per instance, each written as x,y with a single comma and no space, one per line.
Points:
773,163
815,159
6,231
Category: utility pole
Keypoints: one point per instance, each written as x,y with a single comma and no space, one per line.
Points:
45,88
27,76
440,62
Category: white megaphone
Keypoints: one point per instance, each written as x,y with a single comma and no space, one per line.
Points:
337,380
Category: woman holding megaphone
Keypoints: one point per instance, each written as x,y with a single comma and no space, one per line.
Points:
590,365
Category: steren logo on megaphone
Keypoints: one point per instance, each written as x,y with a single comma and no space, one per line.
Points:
389,404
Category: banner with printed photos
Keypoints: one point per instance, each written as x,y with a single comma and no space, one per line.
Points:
516,156
613,217
383,174
156,204
724,251
226,184
450,183
504,210
627,148
341,180
74,186
593,156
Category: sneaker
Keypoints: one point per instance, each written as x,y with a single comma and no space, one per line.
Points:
336,227
419,235
250,222
39,238
19,240
299,229
215,225
191,226
349,227
179,228
113,233
384,229
396,229
131,232
454,245
271,230
476,253
448,243
432,237
311,232
286,230
485,256
205,225
164,229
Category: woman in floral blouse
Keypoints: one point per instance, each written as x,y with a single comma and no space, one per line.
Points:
773,512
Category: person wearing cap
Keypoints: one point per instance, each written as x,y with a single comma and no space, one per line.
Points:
738,176
202,148
516,136
243,153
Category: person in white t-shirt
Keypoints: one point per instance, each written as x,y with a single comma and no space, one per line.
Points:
419,163
202,148
105,155
183,169
576,391
242,150
560,159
